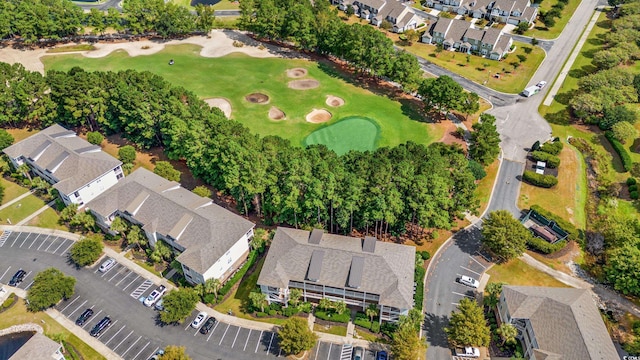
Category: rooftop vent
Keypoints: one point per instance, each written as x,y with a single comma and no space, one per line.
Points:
369,244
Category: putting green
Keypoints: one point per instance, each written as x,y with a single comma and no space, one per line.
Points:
352,133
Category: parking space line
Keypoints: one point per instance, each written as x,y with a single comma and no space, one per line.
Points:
141,289
28,286
114,335
279,353
457,293
110,327
123,340
187,327
141,350
198,328
5,273
18,237
118,273
236,338
68,247
44,241
134,280
269,348
212,331
153,353
317,350
126,276
456,304
25,239
94,316
4,237
138,339
34,241
56,250
52,242
108,270
329,354
69,304
26,276
477,273
478,262
259,338
224,334
71,313
247,341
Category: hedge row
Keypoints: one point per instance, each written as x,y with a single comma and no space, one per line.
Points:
551,160
621,150
574,234
544,246
552,148
545,181
332,316
419,279
362,320
253,255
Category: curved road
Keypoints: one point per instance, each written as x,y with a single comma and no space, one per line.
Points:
519,125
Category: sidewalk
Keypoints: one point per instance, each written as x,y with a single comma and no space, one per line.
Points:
17,199
36,213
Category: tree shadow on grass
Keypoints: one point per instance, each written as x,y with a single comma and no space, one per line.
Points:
617,163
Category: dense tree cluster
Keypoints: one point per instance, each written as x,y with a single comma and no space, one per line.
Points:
504,235
48,288
317,27
468,326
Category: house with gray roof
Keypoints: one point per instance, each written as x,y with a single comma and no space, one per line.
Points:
401,16
39,347
357,271
503,11
460,35
212,242
79,170
556,323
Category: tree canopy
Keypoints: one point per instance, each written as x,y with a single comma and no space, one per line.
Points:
468,326
485,140
504,235
48,288
295,336
443,94
178,304
86,250
174,352
167,171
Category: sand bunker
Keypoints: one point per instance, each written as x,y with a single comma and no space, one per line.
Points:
334,101
221,103
304,84
318,116
257,98
276,114
296,72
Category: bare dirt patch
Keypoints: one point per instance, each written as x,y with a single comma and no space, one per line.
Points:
305,84
318,116
276,114
257,98
334,101
297,72
222,104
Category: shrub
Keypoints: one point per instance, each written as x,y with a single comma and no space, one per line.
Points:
332,316
634,195
9,301
290,311
127,154
552,148
363,322
544,246
477,170
574,234
621,150
375,327
425,255
251,259
551,160
389,328
545,181
272,312
86,251
261,314
419,294
633,188
95,137
536,146
631,181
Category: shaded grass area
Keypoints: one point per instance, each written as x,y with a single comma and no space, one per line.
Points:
18,314
20,210
352,133
11,190
237,75
69,48
542,32
21,133
482,70
485,186
48,219
216,4
516,272
339,330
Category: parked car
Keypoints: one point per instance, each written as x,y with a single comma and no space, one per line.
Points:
199,320
155,295
468,352
382,355
358,353
159,305
157,355
469,281
541,84
207,326
100,326
107,265
86,315
17,278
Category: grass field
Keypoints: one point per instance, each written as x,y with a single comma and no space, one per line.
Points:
331,329
20,210
352,133
18,314
541,32
21,134
236,75
485,186
218,5
516,272
11,190
69,48
48,219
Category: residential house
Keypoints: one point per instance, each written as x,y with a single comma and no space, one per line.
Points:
79,170
212,241
460,35
401,16
556,323
357,271
503,11
39,347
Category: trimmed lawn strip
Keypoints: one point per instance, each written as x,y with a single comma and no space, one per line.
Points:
339,330
483,191
475,70
11,190
368,336
21,133
20,210
48,219
220,5
69,48
18,314
516,272
218,77
539,31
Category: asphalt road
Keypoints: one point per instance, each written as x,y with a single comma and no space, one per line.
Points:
135,332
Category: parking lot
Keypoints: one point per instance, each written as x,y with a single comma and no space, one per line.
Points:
473,268
134,332
330,351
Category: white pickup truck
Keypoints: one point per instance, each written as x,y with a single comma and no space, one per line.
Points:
468,352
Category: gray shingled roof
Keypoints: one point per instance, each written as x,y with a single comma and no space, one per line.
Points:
79,161
503,5
529,14
477,4
520,5
502,44
37,347
387,272
491,36
374,4
474,34
457,30
442,25
565,321
206,230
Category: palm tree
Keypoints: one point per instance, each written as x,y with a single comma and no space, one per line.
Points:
258,299
119,225
294,297
25,170
340,306
508,333
199,289
371,312
212,286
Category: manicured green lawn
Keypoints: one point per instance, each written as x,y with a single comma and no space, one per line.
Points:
20,210
331,329
516,272
541,32
219,5
236,75
48,219
18,314
352,133
483,70
11,190
68,48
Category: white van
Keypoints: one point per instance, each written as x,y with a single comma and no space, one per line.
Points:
469,281
530,91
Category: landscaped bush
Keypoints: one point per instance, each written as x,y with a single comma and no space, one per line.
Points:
272,312
332,316
261,314
574,234
551,160
419,294
552,148
621,150
545,181
253,255
363,322
375,327
94,137
544,246
9,302
633,195
477,169
425,255
536,146
633,188
388,328
631,181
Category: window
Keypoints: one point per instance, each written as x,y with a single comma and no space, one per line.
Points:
119,176
76,194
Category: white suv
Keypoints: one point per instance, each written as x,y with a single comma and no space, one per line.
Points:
199,320
107,265
465,280
155,295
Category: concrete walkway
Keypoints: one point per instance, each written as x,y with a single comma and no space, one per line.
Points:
16,199
558,275
572,58
36,213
